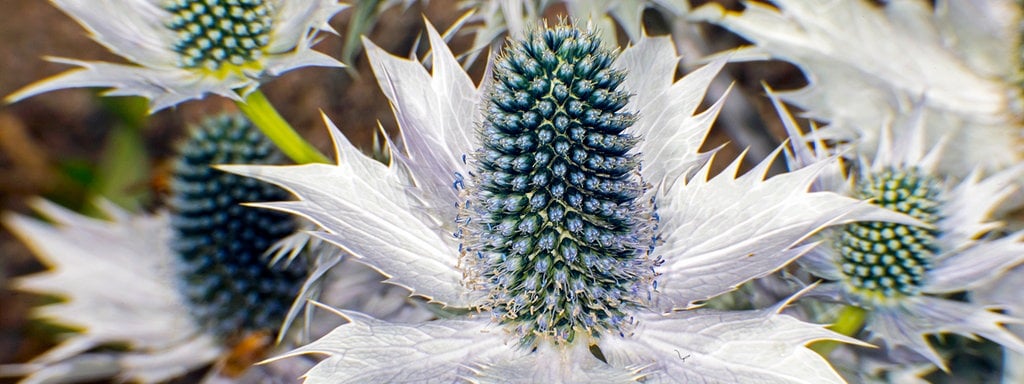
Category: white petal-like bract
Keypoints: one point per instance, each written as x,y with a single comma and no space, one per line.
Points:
868,64
119,285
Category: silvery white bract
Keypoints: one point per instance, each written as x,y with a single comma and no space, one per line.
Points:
867,64
183,49
715,233
119,285
1005,293
902,273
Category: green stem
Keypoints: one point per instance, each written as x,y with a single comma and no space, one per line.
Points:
850,321
262,113
363,19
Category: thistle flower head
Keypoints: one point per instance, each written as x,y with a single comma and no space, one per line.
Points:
212,34
184,49
884,259
225,272
560,231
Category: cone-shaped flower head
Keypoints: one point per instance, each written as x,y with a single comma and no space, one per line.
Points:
559,234
527,198
187,48
901,272
225,271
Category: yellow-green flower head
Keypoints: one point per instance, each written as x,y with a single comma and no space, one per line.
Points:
563,212
902,271
890,259
215,34
184,49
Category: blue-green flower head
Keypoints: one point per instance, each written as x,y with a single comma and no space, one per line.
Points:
222,244
559,232
884,259
563,211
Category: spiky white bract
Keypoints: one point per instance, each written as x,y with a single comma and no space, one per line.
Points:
1005,293
119,284
172,63
720,342
959,253
335,279
400,219
869,63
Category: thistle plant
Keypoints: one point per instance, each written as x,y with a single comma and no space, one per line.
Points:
896,278
184,49
565,224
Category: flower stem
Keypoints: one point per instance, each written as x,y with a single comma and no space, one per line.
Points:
262,113
360,24
851,319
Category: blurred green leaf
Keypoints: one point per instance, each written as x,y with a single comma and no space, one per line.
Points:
123,171
362,21
131,110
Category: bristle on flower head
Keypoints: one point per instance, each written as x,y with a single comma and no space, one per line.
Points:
558,231
882,259
221,243
212,33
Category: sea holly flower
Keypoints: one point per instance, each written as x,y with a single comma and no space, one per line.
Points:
901,274
183,49
563,208
869,63
178,289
